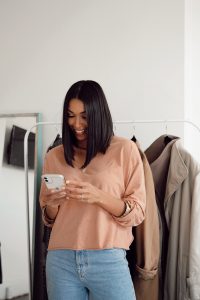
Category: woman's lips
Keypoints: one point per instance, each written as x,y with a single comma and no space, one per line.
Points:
79,131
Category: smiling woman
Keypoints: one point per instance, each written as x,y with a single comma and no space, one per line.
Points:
99,121
104,196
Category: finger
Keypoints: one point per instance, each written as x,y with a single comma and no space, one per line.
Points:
55,202
75,190
77,197
76,183
54,191
57,196
72,182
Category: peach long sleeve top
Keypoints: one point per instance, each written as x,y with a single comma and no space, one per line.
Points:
118,172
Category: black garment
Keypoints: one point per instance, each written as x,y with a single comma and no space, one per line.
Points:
42,235
56,142
1,277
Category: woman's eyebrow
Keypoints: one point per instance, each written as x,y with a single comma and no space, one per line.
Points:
83,112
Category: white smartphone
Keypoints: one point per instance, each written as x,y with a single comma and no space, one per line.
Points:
53,181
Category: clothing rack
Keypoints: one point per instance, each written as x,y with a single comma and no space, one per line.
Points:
133,122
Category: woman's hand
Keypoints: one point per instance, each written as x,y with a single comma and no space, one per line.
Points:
88,193
54,198
83,191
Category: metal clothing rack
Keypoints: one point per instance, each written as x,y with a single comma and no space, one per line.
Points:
26,174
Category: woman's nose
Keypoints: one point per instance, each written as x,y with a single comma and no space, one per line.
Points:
77,122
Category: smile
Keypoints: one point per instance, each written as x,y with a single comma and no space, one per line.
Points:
80,131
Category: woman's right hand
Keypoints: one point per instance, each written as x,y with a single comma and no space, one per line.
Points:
53,197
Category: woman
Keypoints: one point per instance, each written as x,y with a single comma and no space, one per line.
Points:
104,196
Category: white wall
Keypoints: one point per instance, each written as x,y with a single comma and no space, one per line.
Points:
134,49
192,75
13,233
13,215
2,138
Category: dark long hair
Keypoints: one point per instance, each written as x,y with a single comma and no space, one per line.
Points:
99,120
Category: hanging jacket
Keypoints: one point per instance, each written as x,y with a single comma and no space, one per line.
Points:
1,277
158,155
143,256
41,244
182,212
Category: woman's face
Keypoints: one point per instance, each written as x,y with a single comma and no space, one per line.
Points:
77,121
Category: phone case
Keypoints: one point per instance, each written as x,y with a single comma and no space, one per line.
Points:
54,181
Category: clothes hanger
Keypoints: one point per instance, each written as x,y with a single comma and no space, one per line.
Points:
133,137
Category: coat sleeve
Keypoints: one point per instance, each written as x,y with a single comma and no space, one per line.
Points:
134,193
194,253
144,253
147,235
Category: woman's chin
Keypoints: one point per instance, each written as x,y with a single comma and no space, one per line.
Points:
81,142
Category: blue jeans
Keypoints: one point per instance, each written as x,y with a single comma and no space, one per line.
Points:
88,274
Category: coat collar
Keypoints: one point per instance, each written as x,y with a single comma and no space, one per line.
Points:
156,149
177,172
158,155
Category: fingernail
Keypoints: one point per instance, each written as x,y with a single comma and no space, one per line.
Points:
67,181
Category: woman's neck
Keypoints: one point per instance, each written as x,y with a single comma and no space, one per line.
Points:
82,145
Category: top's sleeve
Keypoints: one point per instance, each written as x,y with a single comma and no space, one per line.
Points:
135,193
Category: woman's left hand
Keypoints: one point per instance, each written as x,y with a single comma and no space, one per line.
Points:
83,191
88,193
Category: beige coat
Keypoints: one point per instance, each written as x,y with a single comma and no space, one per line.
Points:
182,212
158,155
144,254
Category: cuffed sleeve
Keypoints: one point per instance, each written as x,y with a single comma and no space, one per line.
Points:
47,221
146,274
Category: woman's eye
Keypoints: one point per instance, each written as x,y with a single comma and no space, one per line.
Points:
72,116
